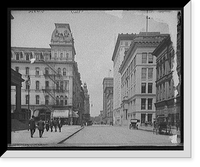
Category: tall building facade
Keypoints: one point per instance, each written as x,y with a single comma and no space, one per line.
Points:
138,76
54,85
167,101
107,100
122,44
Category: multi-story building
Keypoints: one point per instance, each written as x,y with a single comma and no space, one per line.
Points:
86,113
107,99
54,85
138,71
167,101
122,44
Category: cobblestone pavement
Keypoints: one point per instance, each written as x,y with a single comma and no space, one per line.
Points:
117,136
23,137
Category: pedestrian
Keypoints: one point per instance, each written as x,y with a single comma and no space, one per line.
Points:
41,127
59,124
55,124
32,126
47,125
51,125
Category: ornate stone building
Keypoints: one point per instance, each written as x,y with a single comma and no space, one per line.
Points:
86,113
138,75
54,86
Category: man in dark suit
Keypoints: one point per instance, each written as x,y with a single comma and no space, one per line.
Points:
32,126
55,124
40,127
59,124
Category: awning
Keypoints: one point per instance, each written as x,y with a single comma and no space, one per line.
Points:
61,113
75,114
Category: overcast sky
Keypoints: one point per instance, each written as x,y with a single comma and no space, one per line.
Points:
94,34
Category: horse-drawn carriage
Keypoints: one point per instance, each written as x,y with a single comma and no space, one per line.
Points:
134,123
162,124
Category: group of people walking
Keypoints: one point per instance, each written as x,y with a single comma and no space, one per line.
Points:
41,125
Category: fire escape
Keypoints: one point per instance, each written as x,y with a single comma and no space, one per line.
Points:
52,91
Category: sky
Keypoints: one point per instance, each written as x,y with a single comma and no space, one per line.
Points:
94,32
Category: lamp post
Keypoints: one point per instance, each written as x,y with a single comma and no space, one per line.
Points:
28,82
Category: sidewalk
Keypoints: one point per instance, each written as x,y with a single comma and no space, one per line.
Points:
23,137
150,129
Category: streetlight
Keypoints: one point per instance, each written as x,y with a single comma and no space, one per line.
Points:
28,82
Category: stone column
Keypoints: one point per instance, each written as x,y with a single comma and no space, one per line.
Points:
18,98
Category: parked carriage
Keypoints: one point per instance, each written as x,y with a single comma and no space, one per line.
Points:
162,125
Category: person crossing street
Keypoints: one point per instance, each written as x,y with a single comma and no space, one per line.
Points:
59,124
41,127
32,126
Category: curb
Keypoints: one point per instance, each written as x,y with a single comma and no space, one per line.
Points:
69,136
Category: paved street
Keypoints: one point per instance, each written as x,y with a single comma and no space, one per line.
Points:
102,135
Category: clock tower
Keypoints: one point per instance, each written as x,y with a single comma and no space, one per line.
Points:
62,43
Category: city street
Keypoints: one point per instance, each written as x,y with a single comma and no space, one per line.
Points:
103,135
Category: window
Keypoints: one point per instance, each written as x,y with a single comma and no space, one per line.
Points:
150,58
17,69
37,85
61,56
27,99
46,84
37,99
37,71
59,71
126,43
143,88
47,71
47,100
27,70
144,58
150,86
57,85
144,71
150,73
57,100
65,100
17,56
41,56
61,100
67,56
150,104
143,104
64,71
27,56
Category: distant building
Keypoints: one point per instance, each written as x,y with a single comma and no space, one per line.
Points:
54,88
138,75
107,100
122,44
86,113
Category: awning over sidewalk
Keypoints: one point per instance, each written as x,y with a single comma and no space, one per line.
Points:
61,113
75,114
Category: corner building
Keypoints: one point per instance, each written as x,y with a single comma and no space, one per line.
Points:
55,84
138,76
122,44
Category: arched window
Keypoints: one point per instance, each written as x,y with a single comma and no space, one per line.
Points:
59,71
64,71
57,100
37,85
